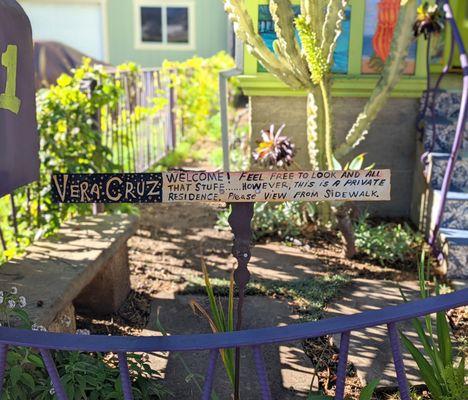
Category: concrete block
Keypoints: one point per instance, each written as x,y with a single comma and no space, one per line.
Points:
108,290
65,321
55,270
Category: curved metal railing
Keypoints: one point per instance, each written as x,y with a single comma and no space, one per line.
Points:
252,338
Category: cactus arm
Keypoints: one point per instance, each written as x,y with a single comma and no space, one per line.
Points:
245,31
327,147
315,120
312,10
312,51
392,72
331,28
286,45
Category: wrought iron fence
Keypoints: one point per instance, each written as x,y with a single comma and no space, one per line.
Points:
139,131
254,339
138,134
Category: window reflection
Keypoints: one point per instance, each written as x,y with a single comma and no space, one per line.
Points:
177,25
151,24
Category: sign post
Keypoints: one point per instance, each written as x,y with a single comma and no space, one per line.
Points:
241,189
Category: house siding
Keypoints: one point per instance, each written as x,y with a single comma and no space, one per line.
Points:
211,35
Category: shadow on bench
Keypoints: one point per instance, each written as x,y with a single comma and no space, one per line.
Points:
85,265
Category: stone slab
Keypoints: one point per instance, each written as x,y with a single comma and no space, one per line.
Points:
109,288
289,369
370,349
55,270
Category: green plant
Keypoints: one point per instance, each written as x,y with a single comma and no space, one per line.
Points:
283,220
437,363
83,375
387,242
309,68
219,320
71,141
195,82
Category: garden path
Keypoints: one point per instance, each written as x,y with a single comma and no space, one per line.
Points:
165,258
370,350
165,261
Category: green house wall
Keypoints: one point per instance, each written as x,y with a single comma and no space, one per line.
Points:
211,34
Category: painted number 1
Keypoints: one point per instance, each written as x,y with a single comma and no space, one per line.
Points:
8,99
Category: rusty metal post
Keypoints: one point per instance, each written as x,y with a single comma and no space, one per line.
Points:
240,221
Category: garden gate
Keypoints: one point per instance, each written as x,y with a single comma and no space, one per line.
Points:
240,189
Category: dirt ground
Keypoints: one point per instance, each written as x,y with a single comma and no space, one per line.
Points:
166,254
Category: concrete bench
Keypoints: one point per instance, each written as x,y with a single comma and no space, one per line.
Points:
83,266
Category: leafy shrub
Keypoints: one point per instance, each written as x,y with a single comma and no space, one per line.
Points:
283,220
70,141
83,375
195,82
387,242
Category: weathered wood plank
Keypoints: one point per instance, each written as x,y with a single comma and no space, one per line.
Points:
230,187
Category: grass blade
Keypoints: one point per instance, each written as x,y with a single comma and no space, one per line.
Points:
443,337
425,369
368,390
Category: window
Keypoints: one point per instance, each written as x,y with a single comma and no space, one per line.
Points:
164,24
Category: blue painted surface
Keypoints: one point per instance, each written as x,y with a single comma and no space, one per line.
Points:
341,55
249,337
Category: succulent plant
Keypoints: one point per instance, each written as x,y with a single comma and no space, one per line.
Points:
274,150
429,20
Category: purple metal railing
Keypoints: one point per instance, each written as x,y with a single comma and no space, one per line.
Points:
253,338
459,132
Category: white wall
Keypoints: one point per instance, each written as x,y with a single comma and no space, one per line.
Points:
77,24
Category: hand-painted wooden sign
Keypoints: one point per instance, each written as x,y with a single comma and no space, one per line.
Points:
230,187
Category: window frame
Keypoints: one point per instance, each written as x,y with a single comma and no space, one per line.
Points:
164,5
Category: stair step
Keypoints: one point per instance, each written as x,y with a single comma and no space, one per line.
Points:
445,135
456,210
438,167
455,249
447,104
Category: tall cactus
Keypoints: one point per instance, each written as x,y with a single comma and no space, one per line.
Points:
309,68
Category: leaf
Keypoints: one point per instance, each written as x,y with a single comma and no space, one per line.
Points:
443,337
357,162
425,369
368,390
28,380
336,164
15,374
64,80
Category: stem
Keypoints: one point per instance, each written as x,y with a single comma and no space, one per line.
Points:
328,145
316,130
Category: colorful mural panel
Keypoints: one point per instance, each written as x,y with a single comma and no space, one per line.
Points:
379,25
266,30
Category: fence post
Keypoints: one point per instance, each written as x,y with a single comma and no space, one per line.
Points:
171,131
